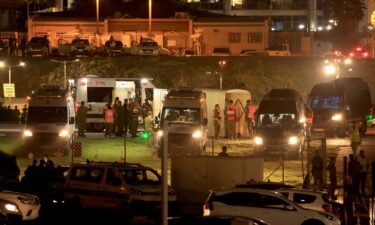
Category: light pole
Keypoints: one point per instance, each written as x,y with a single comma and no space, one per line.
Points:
65,62
3,64
97,17
149,17
222,63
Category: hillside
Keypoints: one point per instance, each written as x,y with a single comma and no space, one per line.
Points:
256,74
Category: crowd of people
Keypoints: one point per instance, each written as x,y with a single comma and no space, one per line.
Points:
120,118
11,47
12,115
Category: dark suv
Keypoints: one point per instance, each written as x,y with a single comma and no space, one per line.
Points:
38,46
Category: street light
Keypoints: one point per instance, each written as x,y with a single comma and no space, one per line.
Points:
3,64
64,62
222,63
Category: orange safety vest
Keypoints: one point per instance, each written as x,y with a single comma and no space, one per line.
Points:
251,111
231,113
109,116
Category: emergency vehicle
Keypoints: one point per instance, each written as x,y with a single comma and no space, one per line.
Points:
97,92
50,120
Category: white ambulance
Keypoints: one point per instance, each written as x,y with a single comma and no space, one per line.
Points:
97,92
50,120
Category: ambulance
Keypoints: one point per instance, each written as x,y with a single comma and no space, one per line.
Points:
97,92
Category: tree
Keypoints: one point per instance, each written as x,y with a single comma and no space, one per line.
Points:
347,13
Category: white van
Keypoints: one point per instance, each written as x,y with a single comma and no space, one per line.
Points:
50,120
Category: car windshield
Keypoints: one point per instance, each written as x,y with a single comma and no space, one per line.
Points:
140,176
221,50
181,115
277,120
80,42
47,115
149,44
329,102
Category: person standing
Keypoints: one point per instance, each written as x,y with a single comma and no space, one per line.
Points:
146,108
353,172
136,109
217,120
81,119
108,120
23,46
120,119
250,112
115,124
317,169
355,137
127,116
332,177
149,128
231,120
364,165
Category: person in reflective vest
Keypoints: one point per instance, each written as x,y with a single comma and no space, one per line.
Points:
355,137
217,120
231,118
250,112
108,120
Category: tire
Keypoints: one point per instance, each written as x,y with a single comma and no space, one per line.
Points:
125,212
98,127
312,222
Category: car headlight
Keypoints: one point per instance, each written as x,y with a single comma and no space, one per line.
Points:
11,207
328,216
293,140
159,134
27,133
347,61
258,140
197,134
337,117
64,133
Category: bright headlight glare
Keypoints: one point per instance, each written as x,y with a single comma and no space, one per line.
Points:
337,117
293,140
27,133
160,133
64,133
197,134
348,61
330,69
258,140
11,207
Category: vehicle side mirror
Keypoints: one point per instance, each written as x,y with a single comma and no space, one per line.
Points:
71,120
205,121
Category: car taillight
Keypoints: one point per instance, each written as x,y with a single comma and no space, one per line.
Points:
365,54
326,208
351,54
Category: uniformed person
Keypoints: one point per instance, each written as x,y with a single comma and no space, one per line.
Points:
217,120
81,118
355,137
127,116
120,119
332,177
146,108
250,112
231,118
149,128
115,124
135,110
108,120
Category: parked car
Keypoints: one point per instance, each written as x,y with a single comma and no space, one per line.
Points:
215,220
266,205
221,51
3,219
114,49
19,206
124,187
38,46
80,47
359,53
278,50
316,200
148,47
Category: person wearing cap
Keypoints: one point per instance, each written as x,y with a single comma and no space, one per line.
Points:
332,176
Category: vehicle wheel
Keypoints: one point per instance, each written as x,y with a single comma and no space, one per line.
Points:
98,127
125,212
312,222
